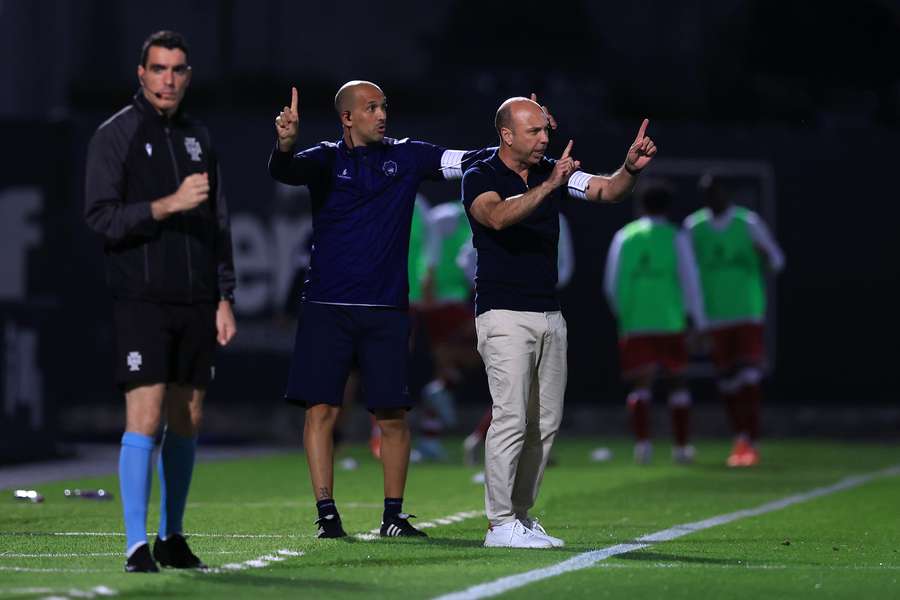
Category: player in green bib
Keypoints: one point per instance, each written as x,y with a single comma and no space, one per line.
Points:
733,247
440,292
651,286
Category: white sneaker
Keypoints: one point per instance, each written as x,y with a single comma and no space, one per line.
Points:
538,529
514,535
643,452
683,455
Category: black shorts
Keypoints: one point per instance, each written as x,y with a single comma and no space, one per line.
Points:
164,343
331,338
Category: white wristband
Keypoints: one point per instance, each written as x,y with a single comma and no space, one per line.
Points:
578,184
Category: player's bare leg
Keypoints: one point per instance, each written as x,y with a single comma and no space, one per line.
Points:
143,408
318,441
395,445
184,409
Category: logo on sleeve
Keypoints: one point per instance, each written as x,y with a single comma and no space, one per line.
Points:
390,168
344,174
134,361
193,148
149,148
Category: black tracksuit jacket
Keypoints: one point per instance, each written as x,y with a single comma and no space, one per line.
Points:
139,156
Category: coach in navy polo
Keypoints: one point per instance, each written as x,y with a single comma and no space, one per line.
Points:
356,293
512,200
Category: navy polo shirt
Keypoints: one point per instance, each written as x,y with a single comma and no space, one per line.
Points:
362,204
517,267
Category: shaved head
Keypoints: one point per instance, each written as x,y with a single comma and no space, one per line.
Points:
523,128
343,100
510,108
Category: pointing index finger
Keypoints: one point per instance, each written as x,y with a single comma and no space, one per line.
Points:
643,129
293,99
568,149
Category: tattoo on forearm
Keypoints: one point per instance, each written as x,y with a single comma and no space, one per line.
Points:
324,493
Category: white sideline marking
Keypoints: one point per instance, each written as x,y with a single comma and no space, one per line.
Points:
100,590
255,563
374,534
150,533
588,559
455,518
54,570
751,567
95,554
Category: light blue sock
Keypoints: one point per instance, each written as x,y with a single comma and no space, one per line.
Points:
176,465
135,472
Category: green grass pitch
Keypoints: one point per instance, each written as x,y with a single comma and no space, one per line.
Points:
840,545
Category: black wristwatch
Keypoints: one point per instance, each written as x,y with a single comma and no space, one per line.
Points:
228,297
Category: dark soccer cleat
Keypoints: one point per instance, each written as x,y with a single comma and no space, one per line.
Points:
330,527
174,552
399,527
140,561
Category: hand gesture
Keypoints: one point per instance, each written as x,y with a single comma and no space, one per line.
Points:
225,325
192,192
564,168
287,123
550,118
642,150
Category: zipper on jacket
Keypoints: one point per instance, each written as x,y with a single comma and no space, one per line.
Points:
182,218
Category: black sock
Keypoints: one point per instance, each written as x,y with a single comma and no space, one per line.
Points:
326,507
392,508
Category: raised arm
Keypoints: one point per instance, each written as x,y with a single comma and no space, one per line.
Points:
285,166
489,209
614,187
287,123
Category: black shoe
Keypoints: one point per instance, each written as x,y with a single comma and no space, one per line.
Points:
174,552
330,526
399,526
140,561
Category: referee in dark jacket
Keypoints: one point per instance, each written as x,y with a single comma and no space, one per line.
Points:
153,191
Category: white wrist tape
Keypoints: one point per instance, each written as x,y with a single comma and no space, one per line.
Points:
578,184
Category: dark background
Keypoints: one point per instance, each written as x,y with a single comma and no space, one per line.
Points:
805,93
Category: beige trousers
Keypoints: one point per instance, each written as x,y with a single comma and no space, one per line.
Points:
524,355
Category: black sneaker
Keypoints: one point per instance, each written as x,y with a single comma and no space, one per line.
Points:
399,527
330,527
140,561
174,552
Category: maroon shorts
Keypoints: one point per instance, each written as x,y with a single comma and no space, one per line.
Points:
448,322
666,351
736,345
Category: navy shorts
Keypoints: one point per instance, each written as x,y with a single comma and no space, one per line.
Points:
333,338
